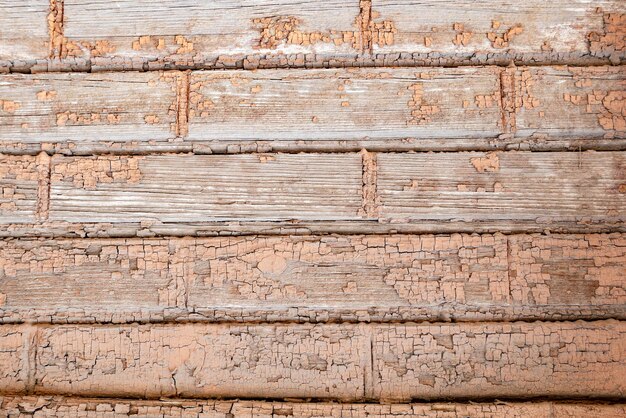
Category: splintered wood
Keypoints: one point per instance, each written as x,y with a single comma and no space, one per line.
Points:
348,208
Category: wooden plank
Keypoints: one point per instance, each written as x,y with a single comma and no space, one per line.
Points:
140,35
345,105
24,32
314,278
569,102
175,188
192,360
447,109
18,189
483,360
485,31
531,188
70,109
54,406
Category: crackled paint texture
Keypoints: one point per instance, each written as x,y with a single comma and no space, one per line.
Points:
314,278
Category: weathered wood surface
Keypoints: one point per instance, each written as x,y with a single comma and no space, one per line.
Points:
175,188
334,361
475,191
491,31
55,406
518,186
318,279
61,34
567,102
480,108
345,105
20,178
217,34
122,108
483,360
191,360
24,35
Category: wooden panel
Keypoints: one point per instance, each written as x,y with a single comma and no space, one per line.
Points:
487,31
76,108
23,30
132,34
570,102
18,189
14,358
345,105
500,360
49,406
203,361
531,188
366,278
175,188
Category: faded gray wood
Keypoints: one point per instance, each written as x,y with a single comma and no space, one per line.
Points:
23,31
517,186
317,279
345,105
70,109
489,31
179,188
570,102
452,109
223,33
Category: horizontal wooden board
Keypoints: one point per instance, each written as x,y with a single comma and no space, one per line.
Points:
54,406
85,108
270,194
203,361
487,31
499,360
346,362
313,278
518,186
175,188
23,31
569,102
136,35
345,105
18,189
449,109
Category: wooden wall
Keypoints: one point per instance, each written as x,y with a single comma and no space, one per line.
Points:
342,208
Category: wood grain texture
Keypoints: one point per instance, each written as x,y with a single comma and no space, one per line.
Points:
518,186
500,360
345,105
487,31
203,361
132,35
316,279
55,406
181,195
174,188
569,102
448,109
23,31
66,108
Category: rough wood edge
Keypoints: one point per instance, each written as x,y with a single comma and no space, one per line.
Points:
26,406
